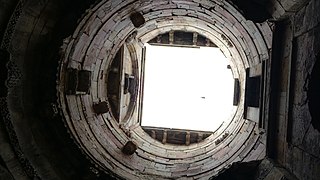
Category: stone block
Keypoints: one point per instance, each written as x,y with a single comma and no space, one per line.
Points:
292,5
276,10
137,19
101,108
84,81
77,81
129,148
71,81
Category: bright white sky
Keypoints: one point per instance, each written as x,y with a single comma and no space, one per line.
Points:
186,88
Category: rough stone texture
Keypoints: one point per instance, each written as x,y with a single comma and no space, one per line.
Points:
238,38
265,169
42,148
6,10
269,170
35,144
4,174
281,9
296,147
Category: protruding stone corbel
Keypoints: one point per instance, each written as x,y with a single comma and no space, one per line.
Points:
101,107
137,19
153,134
77,81
164,138
188,136
129,148
236,95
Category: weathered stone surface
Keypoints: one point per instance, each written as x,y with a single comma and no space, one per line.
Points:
95,133
281,9
296,136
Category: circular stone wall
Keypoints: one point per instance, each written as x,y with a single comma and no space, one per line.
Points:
94,44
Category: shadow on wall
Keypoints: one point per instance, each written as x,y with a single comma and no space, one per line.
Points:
240,171
4,58
255,170
313,94
254,10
